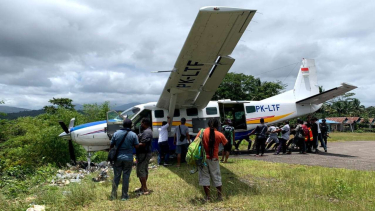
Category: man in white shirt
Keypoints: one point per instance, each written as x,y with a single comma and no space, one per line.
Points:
285,131
163,143
273,137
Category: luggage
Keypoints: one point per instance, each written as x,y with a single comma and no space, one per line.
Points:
196,155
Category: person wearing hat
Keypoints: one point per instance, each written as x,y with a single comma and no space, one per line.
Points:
124,162
228,132
181,138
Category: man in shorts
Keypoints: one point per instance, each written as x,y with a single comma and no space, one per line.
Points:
181,138
211,140
144,155
228,132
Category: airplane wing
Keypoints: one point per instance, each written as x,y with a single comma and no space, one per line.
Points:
327,95
204,59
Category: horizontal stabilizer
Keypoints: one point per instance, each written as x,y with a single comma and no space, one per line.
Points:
327,95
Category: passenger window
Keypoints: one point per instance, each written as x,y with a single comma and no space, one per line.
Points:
176,113
192,112
159,114
211,110
250,109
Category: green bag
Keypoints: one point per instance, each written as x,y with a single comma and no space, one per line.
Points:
196,155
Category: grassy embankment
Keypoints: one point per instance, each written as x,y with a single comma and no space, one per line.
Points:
247,185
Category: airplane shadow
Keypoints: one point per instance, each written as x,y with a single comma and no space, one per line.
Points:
232,184
336,155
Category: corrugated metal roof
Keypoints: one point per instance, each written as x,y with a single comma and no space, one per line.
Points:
351,120
337,119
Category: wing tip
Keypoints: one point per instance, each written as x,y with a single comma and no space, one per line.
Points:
348,85
223,9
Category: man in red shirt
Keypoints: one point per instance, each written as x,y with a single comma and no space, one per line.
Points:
211,140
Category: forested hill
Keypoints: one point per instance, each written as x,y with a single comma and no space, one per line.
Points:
10,109
31,113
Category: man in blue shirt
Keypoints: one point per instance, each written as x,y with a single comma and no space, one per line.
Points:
124,162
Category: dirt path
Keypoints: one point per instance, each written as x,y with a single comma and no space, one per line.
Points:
358,155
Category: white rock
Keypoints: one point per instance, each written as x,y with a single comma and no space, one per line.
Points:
37,208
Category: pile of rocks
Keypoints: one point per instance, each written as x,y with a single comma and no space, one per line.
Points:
66,177
76,173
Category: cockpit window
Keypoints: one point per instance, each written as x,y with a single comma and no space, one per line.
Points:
130,112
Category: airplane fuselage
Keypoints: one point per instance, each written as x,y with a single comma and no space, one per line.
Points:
245,116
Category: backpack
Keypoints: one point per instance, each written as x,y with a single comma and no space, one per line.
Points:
196,155
301,132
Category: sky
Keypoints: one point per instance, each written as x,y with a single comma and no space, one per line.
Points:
94,51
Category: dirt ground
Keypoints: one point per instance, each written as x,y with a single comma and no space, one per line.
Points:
359,155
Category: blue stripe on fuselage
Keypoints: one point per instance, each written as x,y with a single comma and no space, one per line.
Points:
87,125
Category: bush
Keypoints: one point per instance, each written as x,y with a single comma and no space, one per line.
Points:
29,144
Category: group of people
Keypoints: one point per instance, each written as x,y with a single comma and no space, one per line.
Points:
306,137
124,162
211,140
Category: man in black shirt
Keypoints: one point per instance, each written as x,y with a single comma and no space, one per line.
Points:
261,138
144,155
324,129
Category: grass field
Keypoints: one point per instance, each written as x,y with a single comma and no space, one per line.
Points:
334,137
247,185
351,137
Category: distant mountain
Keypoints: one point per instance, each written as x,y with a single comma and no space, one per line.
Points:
10,109
78,107
125,106
22,114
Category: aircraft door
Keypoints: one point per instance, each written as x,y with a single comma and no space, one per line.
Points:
114,122
234,111
138,118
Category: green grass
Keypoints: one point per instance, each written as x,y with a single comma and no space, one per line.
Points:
339,136
247,185
334,137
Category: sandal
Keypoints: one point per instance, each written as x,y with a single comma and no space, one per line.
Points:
143,193
137,190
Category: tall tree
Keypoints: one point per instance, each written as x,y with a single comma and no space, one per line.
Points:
238,86
59,103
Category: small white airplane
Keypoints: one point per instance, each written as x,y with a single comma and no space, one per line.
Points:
200,68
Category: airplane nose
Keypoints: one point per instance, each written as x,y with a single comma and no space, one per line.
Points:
65,136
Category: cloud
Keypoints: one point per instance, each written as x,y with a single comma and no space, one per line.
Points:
95,51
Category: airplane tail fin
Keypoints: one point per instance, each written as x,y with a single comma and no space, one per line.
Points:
306,84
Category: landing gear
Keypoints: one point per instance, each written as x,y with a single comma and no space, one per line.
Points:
89,161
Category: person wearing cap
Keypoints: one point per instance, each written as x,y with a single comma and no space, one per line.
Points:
181,138
324,129
261,137
228,132
124,162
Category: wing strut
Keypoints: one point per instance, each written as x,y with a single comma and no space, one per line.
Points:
172,105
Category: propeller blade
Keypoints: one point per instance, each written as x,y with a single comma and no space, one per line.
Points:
62,124
71,123
71,153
